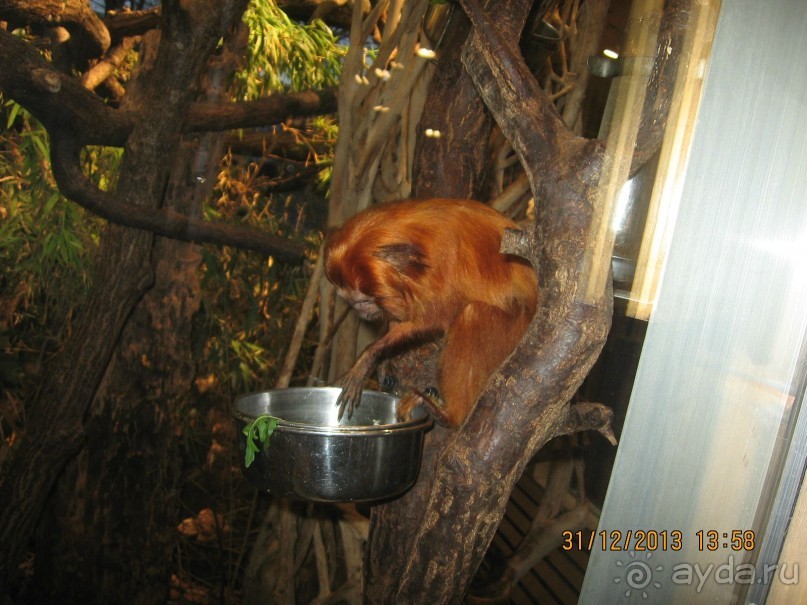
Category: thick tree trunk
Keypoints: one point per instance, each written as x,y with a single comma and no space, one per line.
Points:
436,535
112,519
55,430
455,164
54,427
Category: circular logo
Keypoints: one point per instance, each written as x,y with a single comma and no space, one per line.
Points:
638,576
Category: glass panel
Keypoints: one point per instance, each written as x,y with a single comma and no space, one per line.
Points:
717,372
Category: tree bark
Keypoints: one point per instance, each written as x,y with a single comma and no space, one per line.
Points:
113,517
75,15
436,535
455,164
55,429
124,486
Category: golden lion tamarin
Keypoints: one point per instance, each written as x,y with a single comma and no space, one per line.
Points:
432,268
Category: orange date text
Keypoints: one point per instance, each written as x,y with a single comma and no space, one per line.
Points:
619,540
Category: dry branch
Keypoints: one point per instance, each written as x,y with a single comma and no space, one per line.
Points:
108,64
76,186
74,15
381,90
658,98
75,117
262,112
286,142
305,10
125,24
296,343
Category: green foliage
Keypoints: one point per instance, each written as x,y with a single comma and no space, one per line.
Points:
46,243
101,164
250,303
46,249
286,56
258,431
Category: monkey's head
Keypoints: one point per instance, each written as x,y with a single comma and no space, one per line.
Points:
373,269
346,270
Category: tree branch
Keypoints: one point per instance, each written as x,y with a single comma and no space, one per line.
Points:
61,103
518,87
588,416
26,77
132,23
75,117
166,222
270,110
451,514
75,15
57,100
658,98
108,64
286,143
305,10
436,535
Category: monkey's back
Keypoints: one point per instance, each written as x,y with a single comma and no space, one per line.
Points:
444,252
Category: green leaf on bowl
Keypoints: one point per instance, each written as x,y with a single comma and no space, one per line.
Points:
259,430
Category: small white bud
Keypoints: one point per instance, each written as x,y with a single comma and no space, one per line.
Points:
382,74
426,53
396,65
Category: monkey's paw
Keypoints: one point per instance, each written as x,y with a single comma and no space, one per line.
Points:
407,405
430,398
350,397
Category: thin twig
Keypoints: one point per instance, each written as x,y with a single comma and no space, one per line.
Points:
306,312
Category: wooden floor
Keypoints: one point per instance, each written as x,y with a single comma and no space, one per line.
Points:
557,579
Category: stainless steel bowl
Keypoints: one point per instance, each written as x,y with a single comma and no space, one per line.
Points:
313,456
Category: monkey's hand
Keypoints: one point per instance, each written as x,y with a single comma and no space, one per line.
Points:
353,381
350,397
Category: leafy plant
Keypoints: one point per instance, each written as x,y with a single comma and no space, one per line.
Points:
287,56
250,303
258,431
46,247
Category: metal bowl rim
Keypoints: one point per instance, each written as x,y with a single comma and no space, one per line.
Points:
376,430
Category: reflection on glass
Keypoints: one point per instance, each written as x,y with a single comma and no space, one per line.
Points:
722,263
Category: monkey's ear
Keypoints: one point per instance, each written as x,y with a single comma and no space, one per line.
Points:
406,257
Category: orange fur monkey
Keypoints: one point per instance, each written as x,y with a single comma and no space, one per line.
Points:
433,267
